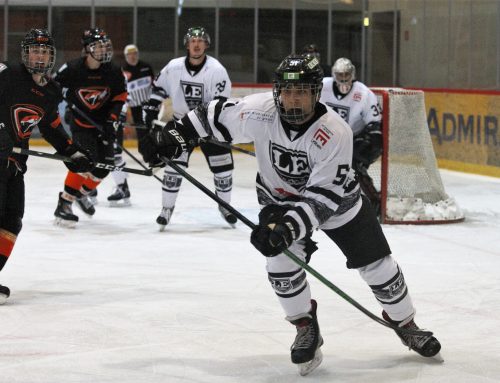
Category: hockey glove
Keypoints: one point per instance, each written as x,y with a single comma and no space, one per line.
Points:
169,139
110,128
82,161
274,234
368,145
150,111
148,150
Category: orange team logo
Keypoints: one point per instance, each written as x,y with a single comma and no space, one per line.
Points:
94,98
26,117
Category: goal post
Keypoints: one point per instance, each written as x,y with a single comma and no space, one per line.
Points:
407,174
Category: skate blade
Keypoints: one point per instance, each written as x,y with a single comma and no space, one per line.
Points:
3,299
438,358
161,227
122,203
308,367
94,201
64,223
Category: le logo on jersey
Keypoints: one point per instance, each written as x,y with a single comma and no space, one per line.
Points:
342,111
193,93
95,97
292,166
26,117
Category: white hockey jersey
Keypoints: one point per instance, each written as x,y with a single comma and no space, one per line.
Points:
188,90
309,170
358,108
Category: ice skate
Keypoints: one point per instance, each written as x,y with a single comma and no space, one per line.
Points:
120,196
93,197
427,346
4,294
85,204
229,217
305,350
164,217
64,213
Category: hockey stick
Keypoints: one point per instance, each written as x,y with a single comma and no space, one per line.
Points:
292,256
99,127
100,165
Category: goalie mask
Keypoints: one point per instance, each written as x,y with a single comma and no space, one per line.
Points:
344,73
38,52
97,44
297,88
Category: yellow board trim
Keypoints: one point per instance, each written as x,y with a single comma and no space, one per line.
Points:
484,170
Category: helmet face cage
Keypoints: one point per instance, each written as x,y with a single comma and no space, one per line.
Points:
198,32
98,45
38,52
298,77
344,73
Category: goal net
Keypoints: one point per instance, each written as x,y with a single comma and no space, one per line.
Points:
407,174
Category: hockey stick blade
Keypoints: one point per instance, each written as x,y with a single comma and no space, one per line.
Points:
292,256
100,165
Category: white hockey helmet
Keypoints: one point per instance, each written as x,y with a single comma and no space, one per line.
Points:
344,73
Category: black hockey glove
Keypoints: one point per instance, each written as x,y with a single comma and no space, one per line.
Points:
148,150
150,111
275,232
110,128
169,139
368,145
82,161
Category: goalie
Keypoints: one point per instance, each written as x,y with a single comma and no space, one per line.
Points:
358,106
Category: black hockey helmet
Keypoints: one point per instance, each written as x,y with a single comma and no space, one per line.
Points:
311,49
198,32
298,72
38,42
95,38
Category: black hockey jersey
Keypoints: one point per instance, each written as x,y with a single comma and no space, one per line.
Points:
99,93
139,81
25,105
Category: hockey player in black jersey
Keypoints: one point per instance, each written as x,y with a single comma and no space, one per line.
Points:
139,76
305,182
28,98
95,90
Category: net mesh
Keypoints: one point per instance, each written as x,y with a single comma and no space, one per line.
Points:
415,191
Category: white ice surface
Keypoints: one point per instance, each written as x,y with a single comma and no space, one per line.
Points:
114,300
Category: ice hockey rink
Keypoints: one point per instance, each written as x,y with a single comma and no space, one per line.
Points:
115,300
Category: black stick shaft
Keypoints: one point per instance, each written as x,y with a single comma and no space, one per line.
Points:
292,256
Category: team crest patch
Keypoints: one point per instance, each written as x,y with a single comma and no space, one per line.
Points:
2,67
357,96
94,98
291,165
26,117
193,93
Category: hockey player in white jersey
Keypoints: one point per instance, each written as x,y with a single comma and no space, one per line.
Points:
358,106
304,182
190,81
